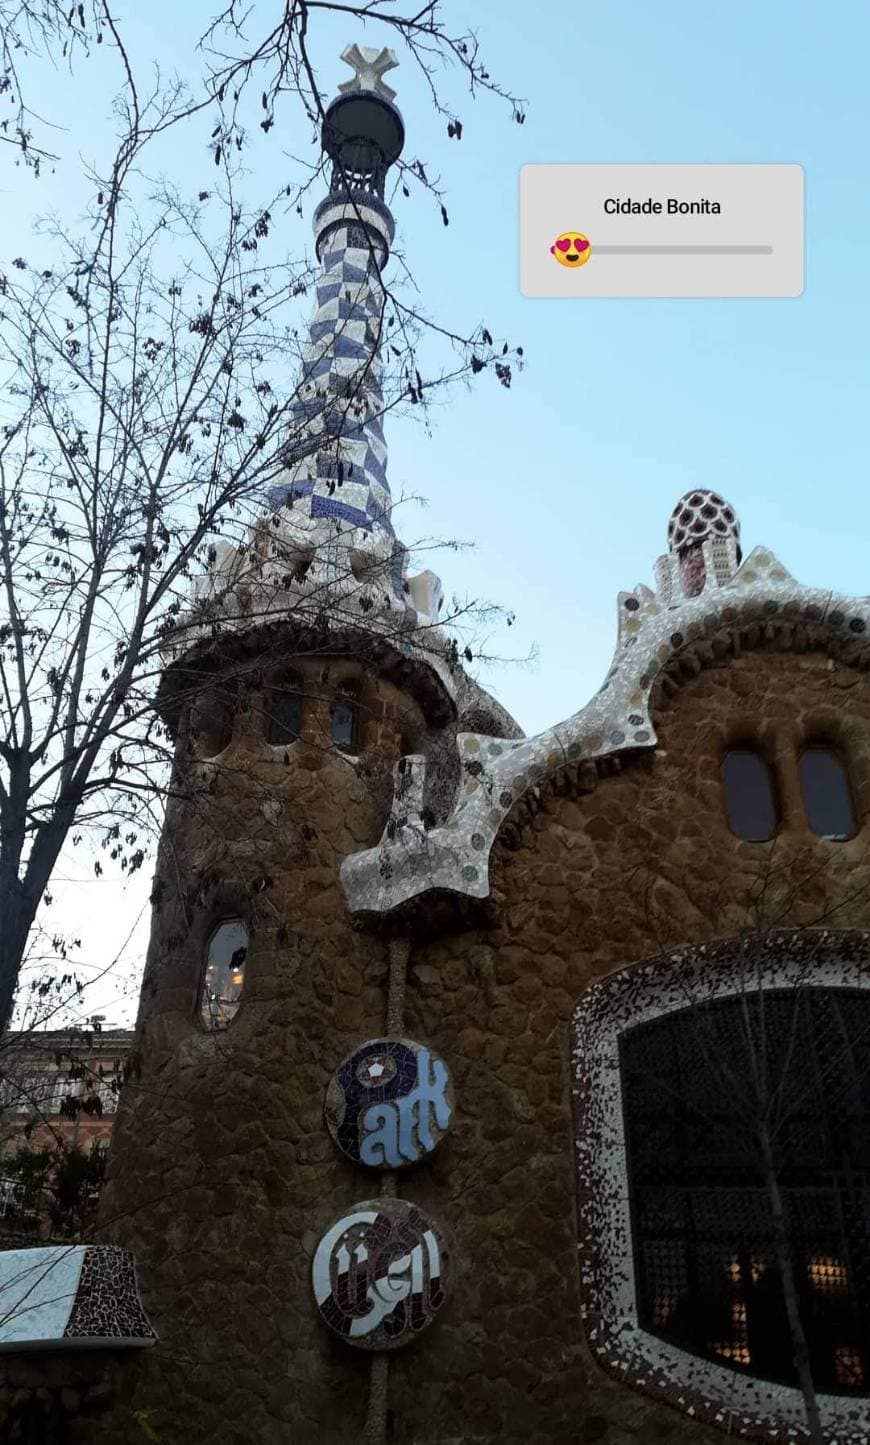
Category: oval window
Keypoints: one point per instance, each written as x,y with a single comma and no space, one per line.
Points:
224,973
212,721
827,795
750,795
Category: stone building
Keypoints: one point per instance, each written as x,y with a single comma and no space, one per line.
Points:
489,1088
62,1083
59,1089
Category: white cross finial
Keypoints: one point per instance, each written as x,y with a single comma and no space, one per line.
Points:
370,65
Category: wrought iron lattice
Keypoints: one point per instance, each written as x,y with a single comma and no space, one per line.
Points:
703,1089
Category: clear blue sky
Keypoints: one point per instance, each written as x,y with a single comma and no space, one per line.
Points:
565,484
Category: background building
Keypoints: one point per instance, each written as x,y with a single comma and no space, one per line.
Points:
59,1090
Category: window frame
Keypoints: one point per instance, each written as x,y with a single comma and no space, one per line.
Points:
221,699
758,752
291,685
723,1165
207,1023
348,695
837,754
692,1384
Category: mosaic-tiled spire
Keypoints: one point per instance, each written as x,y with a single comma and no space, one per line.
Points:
336,460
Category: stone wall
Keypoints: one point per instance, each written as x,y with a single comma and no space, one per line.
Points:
601,878
50,1399
221,1162
223,1175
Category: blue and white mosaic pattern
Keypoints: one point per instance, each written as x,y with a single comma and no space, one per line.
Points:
328,552
337,456
389,1104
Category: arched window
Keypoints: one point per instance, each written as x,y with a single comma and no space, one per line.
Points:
713,1164
344,720
285,711
827,795
750,795
212,719
224,976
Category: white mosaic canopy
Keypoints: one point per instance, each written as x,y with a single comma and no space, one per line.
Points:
702,585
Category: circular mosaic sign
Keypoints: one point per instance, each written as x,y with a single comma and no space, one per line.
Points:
389,1103
378,1274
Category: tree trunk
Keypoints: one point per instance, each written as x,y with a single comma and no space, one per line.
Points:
17,918
789,1289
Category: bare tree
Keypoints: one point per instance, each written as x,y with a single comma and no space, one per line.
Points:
145,407
273,64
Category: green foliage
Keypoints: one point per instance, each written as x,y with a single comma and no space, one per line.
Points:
62,1181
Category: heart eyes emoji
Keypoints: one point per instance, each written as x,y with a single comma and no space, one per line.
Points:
571,249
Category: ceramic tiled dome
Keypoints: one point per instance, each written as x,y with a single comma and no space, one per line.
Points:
698,515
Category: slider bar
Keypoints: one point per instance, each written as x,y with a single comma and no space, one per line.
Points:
682,250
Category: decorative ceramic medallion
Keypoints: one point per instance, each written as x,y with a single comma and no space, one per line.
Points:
389,1103
378,1274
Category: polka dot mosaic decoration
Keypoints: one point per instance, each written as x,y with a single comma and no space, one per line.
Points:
389,1104
378,1274
740,1404
698,515
653,629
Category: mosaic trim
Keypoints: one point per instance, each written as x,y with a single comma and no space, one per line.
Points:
754,1409
378,1274
389,1104
70,1295
107,1305
497,773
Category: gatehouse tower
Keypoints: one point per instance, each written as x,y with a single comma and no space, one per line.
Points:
315,701
446,1120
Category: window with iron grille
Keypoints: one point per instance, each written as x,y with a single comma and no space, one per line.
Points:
707,1267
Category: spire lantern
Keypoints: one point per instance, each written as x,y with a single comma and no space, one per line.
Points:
363,131
362,135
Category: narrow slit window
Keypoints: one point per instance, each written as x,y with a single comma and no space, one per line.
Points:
827,795
750,795
344,722
224,973
285,715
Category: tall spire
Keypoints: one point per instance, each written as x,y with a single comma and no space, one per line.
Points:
335,486
327,552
